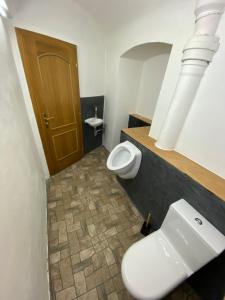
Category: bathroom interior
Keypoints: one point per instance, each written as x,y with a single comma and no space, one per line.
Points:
112,139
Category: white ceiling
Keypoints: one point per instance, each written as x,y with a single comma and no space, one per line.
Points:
112,14
109,14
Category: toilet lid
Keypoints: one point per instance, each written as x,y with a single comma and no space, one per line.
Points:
151,268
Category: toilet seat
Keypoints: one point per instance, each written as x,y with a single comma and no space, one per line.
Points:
154,266
149,263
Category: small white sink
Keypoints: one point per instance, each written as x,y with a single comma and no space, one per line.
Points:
94,122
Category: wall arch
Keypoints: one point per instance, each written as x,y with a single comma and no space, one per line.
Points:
140,75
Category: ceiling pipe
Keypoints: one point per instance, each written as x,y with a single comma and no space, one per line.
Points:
197,54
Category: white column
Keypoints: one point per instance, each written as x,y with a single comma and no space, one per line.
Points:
197,54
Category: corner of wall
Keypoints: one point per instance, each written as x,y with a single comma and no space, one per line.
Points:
26,96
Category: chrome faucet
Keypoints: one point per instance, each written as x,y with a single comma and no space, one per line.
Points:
96,112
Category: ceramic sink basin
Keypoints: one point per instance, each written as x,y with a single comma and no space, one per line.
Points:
94,122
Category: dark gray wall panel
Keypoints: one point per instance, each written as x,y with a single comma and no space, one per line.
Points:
156,186
135,122
87,111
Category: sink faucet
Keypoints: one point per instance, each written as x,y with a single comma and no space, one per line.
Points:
96,112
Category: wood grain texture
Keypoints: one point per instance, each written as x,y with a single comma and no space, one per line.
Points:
51,71
142,118
206,178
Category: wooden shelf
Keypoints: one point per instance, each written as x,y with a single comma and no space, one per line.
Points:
142,118
206,178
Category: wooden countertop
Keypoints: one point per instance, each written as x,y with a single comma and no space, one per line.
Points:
142,118
206,178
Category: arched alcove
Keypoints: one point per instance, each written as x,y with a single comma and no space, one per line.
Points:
141,72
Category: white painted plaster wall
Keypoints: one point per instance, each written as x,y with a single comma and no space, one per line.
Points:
165,21
23,229
139,82
67,21
203,136
173,22
150,84
160,21
129,76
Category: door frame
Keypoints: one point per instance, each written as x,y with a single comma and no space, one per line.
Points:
28,75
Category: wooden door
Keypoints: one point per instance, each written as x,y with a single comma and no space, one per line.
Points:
51,71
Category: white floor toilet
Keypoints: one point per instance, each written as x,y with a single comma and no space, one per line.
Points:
125,160
186,241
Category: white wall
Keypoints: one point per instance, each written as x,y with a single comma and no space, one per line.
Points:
129,76
203,136
23,229
139,82
64,20
150,84
167,22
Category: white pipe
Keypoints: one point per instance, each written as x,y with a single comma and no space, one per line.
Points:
208,13
197,54
187,85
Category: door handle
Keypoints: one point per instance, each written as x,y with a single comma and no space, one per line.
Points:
46,119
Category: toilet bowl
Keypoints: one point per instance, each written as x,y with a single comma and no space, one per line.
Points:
186,241
125,160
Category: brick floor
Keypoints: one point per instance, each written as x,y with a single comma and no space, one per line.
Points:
91,223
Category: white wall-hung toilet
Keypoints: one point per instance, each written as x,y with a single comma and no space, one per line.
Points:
186,241
125,160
